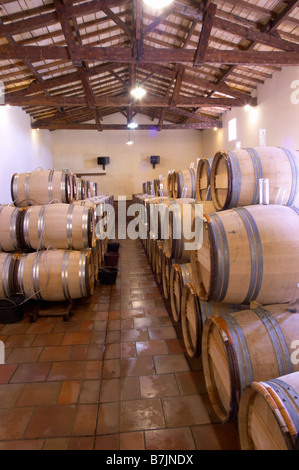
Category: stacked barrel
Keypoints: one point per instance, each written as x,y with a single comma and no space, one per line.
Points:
240,310
49,249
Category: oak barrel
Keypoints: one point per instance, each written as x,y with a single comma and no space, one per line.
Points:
243,347
170,178
11,234
176,244
62,226
250,253
41,187
180,274
203,175
235,176
269,414
7,271
194,314
184,184
56,275
81,189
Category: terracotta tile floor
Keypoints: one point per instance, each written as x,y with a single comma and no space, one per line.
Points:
114,377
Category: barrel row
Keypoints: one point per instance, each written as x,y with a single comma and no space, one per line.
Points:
41,187
63,226
232,178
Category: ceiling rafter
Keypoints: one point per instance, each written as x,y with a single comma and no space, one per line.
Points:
73,62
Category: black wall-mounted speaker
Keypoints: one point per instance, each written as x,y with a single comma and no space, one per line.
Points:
103,161
155,160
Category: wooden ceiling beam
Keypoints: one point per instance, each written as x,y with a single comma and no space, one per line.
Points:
151,55
121,101
113,127
117,21
208,21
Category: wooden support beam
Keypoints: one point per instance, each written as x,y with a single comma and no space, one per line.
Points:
178,84
118,21
151,55
207,26
122,101
113,127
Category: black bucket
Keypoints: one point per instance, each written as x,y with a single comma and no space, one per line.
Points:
113,247
111,258
12,309
108,276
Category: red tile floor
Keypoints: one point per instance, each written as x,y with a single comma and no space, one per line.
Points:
114,377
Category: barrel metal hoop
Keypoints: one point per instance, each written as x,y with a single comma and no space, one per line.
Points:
5,276
193,183
35,275
50,185
26,227
21,274
236,179
65,274
82,274
245,370
63,188
69,226
26,189
257,251
287,394
253,255
258,173
185,274
14,189
279,343
205,311
13,229
295,176
223,263
40,227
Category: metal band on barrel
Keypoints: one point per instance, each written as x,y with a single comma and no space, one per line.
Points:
65,274
40,227
289,397
69,225
236,179
223,262
13,228
295,176
50,185
279,343
35,275
258,250
258,173
242,353
26,189
82,274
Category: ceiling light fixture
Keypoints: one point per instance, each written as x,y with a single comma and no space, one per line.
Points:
132,125
157,3
138,92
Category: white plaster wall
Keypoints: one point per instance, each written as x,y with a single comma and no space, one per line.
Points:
21,148
277,112
129,167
